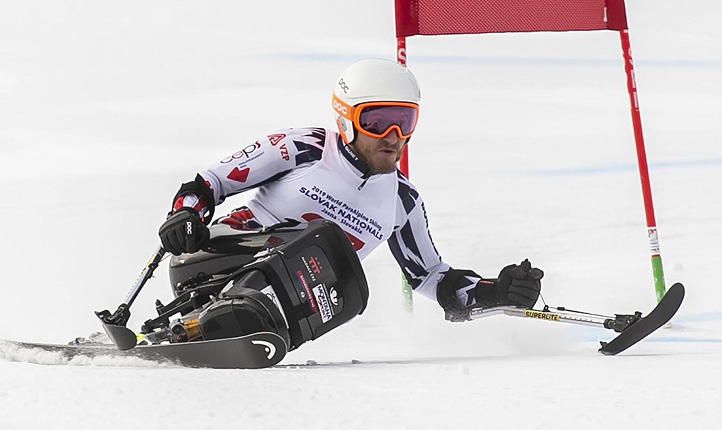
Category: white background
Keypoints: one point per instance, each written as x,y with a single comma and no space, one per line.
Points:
524,149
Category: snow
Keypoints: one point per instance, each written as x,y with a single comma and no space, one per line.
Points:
524,149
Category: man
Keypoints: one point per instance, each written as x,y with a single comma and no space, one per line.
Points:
349,177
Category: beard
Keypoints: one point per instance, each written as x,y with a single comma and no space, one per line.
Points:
377,164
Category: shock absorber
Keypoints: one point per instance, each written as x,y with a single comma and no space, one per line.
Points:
185,331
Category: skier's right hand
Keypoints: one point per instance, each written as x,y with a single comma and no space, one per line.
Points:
183,232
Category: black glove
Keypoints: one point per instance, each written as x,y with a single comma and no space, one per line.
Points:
183,232
517,285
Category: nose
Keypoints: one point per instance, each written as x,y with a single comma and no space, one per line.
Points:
392,137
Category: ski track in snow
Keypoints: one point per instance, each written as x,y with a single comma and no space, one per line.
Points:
105,109
11,352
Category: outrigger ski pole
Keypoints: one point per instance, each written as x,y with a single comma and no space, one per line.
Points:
114,324
631,327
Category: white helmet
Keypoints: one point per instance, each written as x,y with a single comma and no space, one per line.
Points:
372,80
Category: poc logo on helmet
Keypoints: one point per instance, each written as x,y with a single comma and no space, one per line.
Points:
189,228
343,110
343,86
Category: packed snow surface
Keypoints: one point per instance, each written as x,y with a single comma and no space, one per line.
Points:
524,150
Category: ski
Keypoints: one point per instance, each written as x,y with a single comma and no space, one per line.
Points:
637,331
253,351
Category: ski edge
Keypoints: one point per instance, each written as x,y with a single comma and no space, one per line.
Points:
269,349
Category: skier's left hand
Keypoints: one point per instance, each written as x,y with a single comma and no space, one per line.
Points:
519,285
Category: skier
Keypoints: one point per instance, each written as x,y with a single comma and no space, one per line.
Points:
348,177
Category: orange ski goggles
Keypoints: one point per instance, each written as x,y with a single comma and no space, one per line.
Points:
377,119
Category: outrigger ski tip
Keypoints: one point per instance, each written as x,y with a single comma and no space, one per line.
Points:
660,315
114,325
632,328
122,337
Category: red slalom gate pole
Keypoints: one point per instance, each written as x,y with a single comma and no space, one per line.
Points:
657,271
401,59
406,291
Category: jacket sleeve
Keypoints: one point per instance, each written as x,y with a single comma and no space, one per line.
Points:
264,161
414,250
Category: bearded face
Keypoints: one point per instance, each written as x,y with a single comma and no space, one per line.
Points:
380,154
